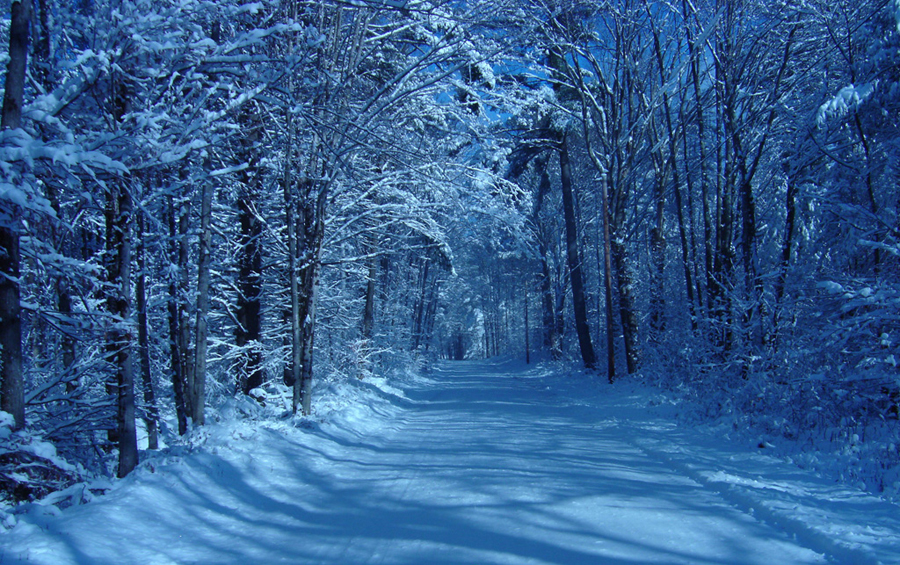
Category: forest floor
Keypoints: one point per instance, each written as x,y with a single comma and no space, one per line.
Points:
476,462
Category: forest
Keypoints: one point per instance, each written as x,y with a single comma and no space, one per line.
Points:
208,199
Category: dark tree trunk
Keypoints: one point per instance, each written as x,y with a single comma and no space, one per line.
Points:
293,369
64,303
118,347
552,339
368,323
627,310
311,228
658,257
249,279
118,272
748,165
198,392
13,382
786,251
419,311
607,283
527,330
752,285
548,316
307,335
151,417
63,298
12,379
657,235
14,93
430,312
184,293
625,284
671,165
696,82
574,260
688,240
42,62
176,356
722,280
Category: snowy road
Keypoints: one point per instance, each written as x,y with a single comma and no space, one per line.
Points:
475,464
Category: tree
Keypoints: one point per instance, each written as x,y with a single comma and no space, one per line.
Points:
616,121
12,387
119,340
574,260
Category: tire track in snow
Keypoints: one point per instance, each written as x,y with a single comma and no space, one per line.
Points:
734,491
401,486
383,448
573,486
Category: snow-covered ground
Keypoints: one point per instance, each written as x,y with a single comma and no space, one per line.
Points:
474,463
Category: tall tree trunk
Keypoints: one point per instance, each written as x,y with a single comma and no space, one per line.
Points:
419,311
176,355
198,391
118,271
292,371
12,379
607,282
687,232
151,418
311,227
184,293
625,284
548,317
368,322
430,311
42,64
307,336
249,328
748,165
587,117
752,284
556,59
527,329
64,303
63,297
14,93
658,253
627,310
292,374
786,249
574,260
671,165
724,255
737,164
696,81
12,392
118,347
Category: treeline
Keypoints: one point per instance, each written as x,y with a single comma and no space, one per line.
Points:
714,203
197,196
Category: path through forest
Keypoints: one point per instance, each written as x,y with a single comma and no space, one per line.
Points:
475,463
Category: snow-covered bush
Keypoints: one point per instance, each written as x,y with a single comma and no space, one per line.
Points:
30,468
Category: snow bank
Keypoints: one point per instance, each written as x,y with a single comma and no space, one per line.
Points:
347,407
